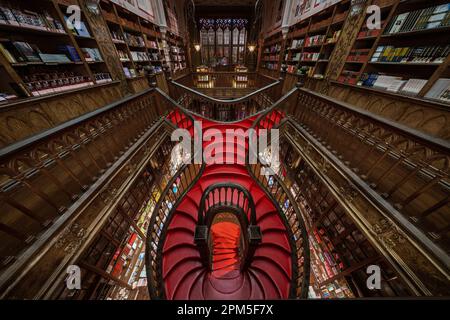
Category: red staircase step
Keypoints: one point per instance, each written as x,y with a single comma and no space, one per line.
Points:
268,275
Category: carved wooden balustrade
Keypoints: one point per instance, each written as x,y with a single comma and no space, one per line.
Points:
41,178
226,109
405,167
282,197
392,180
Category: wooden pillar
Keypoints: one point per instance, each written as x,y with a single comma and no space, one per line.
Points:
100,32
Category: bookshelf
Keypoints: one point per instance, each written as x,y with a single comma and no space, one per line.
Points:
240,80
42,55
204,79
137,41
311,42
175,55
271,56
408,56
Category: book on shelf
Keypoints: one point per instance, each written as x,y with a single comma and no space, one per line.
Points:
297,43
91,54
30,19
83,31
358,55
8,16
77,29
53,82
440,91
23,51
398,23
413,86
335,37
5,97
423,19
54,58
70,51
419,54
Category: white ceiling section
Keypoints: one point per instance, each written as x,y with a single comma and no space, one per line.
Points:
143,8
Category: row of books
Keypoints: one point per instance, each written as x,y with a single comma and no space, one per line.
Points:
130,72
315,40
440,91
335,37
297,43
421,54
428,18
140,56
273,49
271,66
394,84
79,29
103,77
53,82
24,52
134,40
25,18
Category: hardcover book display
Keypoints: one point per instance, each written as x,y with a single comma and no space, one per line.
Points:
225,159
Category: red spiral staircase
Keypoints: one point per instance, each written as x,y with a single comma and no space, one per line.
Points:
185,275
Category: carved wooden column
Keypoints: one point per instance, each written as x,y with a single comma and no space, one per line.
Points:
350,32
106,46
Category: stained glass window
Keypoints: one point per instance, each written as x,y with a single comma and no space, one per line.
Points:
223,40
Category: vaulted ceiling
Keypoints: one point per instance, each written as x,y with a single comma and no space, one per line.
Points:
227,3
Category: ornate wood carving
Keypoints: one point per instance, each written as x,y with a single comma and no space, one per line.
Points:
413,263
430,118
350,31
101,33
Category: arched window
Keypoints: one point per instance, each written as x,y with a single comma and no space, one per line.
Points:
204,44
219,34
223,41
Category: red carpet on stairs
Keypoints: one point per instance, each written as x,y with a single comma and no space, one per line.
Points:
226,238
184,275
